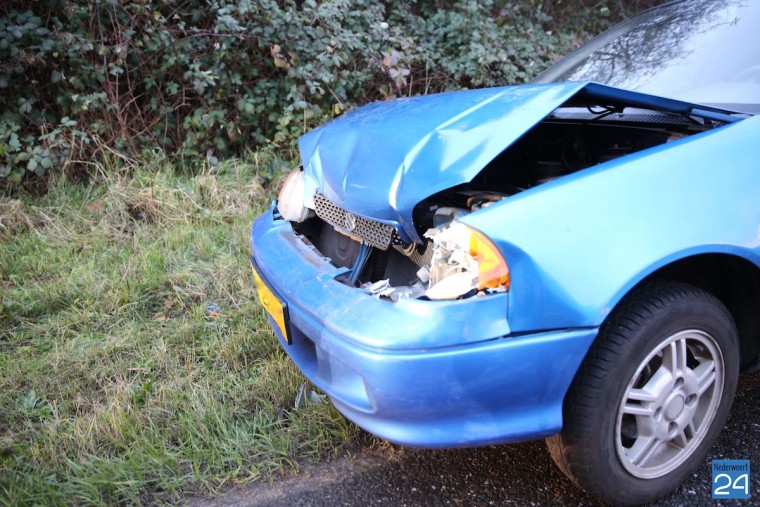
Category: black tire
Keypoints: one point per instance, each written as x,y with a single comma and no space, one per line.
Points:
634,424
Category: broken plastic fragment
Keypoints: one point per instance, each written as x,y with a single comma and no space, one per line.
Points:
383,288
453,270
452,286
407,291
305,397
423,274
377,288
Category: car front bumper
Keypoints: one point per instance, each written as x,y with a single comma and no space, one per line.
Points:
421,373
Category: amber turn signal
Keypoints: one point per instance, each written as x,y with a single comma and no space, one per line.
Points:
492,268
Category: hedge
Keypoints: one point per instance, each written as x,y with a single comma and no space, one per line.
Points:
205,80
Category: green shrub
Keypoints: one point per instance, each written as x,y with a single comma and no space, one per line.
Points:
206,80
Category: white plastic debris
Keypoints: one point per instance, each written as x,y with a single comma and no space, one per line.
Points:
424,274
452,286
407,291
453,271
383,288
380,287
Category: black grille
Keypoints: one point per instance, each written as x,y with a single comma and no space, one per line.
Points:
658,118
373,233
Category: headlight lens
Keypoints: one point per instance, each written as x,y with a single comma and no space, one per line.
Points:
290,200
492,268
464,260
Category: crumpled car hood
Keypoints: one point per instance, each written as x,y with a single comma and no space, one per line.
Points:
382,159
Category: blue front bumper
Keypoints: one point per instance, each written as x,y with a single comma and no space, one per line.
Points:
422,373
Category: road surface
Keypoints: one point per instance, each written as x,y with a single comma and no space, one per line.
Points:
521,474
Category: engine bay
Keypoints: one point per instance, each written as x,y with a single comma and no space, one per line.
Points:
569,140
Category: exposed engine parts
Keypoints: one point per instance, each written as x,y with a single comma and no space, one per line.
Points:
446,264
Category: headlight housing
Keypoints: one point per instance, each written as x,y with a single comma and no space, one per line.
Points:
290,200
464,260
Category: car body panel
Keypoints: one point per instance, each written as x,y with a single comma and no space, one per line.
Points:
464,372
380,160
625,218
319,303
392,152
403,371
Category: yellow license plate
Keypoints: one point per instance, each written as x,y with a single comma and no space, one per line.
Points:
274,307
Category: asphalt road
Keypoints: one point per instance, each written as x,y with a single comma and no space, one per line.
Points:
521,474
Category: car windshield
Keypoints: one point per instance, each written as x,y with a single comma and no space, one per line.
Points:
703,51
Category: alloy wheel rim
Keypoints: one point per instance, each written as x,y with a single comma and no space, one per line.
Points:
669,404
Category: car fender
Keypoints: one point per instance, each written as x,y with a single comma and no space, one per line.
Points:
576,245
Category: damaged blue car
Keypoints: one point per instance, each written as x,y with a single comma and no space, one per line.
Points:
576,259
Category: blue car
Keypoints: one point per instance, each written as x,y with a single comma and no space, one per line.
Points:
576,259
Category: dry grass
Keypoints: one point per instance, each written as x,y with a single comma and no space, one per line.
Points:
17,217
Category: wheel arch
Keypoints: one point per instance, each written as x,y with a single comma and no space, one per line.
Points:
733,280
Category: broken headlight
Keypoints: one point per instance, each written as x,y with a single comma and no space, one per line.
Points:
464,261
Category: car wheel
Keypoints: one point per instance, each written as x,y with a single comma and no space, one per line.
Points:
651,395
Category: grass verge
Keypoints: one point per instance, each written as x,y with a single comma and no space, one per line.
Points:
117,386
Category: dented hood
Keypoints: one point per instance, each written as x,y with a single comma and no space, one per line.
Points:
380,160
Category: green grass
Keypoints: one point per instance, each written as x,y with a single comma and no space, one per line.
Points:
116,387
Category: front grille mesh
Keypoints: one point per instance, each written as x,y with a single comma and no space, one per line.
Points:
373,233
